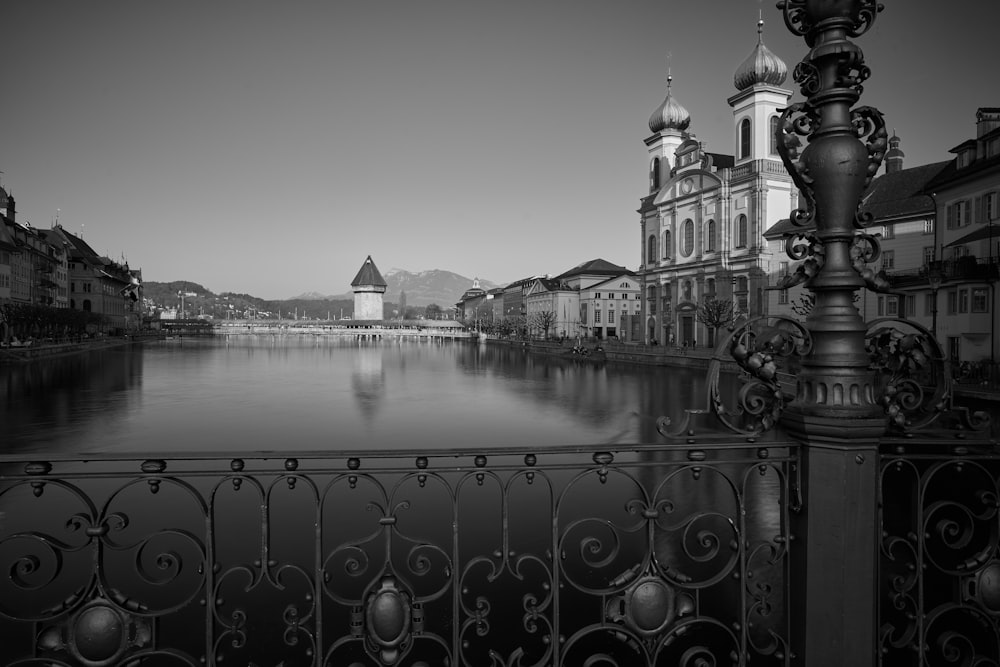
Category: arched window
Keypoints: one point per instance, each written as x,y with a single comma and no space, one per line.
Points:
651,250
774,135
741,231
688,237
667,246
654,175
710,236
86,305
744,138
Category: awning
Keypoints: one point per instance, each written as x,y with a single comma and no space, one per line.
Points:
989,230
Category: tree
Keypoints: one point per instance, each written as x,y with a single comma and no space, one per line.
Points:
402,304
715,314
544,320
432,311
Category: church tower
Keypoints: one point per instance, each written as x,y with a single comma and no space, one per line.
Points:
668,124
368,286
755,106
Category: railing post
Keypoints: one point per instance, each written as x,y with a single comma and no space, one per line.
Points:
835,414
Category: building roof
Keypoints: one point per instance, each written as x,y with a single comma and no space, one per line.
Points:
952,173
902,192
761,66
595,267
369,276
669,115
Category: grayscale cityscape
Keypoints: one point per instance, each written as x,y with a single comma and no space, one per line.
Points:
439,333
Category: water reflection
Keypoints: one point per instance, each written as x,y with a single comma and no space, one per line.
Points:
263,393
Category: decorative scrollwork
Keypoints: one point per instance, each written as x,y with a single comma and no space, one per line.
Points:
808,249
798,120
800,22
796,19
870,125
807,76
865,249
758,347
866,15
912,372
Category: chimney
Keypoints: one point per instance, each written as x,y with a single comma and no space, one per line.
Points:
894,156
987,120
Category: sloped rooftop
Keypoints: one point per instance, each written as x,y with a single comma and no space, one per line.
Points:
369,275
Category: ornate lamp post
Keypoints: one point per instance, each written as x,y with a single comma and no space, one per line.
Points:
836,395
834,414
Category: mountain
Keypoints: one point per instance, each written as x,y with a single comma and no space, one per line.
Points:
444,288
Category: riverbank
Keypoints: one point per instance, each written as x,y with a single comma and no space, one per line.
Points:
25,354
629,353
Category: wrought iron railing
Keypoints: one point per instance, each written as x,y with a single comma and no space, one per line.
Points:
638,555
939,564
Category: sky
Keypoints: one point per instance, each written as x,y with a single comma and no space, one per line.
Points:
269,147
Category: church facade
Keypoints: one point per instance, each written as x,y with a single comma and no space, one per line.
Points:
704,217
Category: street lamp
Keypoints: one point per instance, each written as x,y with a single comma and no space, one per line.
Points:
934,279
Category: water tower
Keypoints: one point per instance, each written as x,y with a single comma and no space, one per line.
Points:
368,286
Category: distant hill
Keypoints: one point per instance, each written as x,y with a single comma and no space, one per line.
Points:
443,288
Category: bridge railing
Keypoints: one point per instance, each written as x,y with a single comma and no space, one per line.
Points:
939,553
641,554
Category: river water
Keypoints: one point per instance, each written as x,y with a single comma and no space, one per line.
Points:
265,393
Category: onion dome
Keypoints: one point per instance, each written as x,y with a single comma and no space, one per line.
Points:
669,115
761,66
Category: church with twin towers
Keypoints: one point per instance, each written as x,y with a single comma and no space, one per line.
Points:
704,217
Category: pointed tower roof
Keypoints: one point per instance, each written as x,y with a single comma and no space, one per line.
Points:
761,66
670,114
368,275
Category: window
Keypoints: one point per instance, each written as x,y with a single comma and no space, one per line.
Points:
888,232
958,214
667,247
687,290
611,316
888,259
881,306
654,176
773,126
782,296
597,295
710,286
688,237
979,300
597,315
651,299
963,300
710,234
744,138
782,268
651,250
741,284
928,254
952,302
991,206
928,226
911,305
741,231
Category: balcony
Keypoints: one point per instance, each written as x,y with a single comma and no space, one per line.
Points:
966,269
